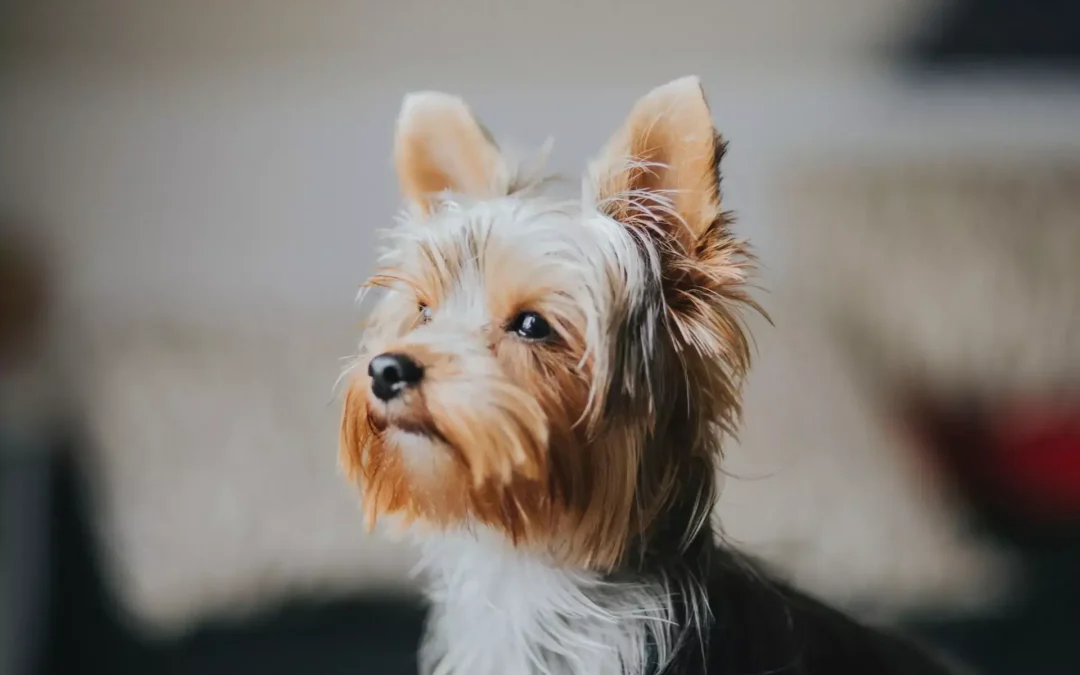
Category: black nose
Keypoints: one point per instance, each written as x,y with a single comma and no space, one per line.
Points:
392,374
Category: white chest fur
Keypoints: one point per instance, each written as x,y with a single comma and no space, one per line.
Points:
498,611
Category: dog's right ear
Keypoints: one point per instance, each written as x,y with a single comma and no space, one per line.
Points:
661,168
441,147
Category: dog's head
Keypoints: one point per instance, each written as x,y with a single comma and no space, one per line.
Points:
561,372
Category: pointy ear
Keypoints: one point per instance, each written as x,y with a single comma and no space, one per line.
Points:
441,147
663,164
659,177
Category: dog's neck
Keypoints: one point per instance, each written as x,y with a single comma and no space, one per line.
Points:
498,610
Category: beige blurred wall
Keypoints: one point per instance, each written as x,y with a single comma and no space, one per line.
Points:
531,40
234,155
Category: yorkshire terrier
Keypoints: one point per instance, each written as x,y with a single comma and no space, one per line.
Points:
541,396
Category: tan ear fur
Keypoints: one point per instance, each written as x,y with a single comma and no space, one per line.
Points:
659,176
667,148
440,146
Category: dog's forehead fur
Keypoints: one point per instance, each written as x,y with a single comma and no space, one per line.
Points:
518,243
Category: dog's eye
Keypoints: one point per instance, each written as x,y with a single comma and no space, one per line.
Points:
425,313
530,326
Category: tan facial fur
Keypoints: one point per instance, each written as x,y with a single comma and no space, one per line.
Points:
599,441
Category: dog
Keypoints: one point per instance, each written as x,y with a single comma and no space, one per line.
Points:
541,396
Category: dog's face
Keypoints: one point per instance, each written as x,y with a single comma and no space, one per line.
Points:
560,372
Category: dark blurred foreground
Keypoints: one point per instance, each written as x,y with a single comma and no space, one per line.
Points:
84,633
72,624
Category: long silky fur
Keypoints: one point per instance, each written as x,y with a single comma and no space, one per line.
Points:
561,487
553,621
590,557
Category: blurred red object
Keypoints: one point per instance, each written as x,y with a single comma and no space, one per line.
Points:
1034,454
1019,459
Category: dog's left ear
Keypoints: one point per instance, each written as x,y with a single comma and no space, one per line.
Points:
440,147
659,177
663,164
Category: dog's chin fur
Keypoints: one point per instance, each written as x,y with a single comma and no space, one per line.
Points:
561,482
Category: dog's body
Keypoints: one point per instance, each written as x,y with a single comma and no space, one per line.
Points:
547,388
496,610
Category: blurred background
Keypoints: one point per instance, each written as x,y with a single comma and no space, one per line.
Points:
189,192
